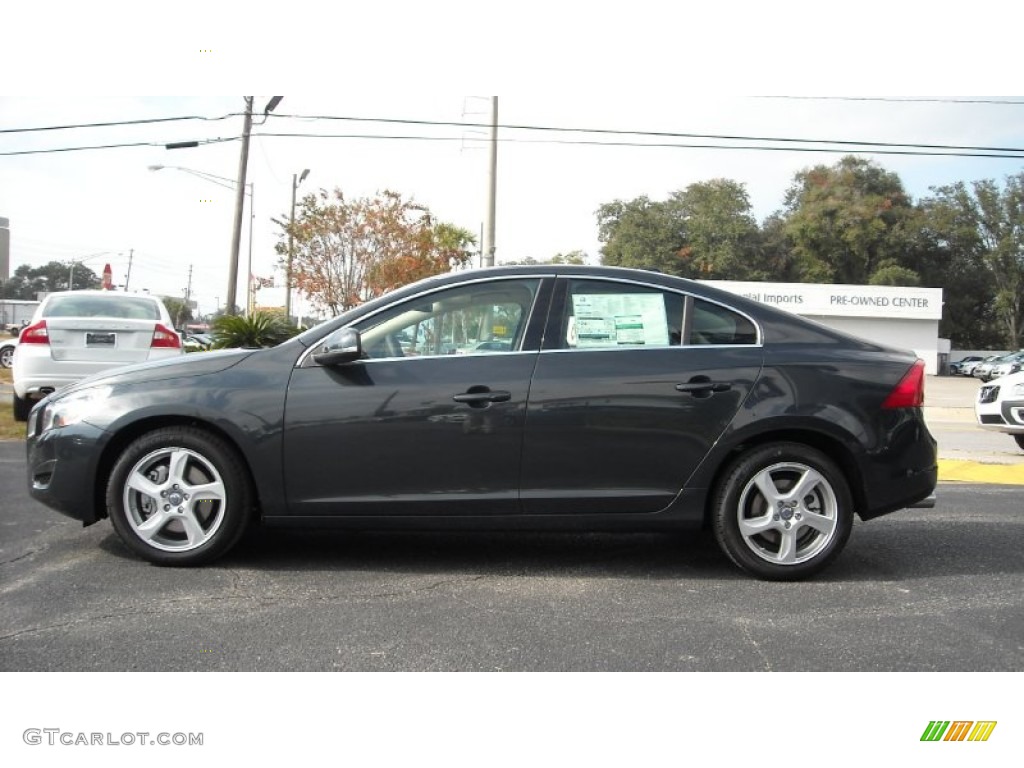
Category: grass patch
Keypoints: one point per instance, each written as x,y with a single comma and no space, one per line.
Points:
9,428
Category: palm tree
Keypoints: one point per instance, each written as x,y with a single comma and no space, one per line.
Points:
260,329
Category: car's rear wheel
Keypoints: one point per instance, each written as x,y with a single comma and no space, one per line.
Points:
22,407
1020,441
782,511
179,496
6,357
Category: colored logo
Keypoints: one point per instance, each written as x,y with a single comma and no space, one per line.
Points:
958,730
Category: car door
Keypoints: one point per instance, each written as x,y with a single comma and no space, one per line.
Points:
633,387
430,422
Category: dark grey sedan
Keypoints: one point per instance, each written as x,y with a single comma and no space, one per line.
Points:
513,398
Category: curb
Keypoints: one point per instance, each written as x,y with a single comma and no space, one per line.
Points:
957,470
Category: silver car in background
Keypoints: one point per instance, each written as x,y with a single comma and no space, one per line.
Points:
74,334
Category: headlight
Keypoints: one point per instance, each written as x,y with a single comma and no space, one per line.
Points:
72,408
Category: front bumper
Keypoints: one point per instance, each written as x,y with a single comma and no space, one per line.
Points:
62,469
999,414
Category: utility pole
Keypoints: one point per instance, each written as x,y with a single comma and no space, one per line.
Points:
127,277
492,180
296,180
236,235
188,297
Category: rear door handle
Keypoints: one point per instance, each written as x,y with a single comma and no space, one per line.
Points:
704,387
480,397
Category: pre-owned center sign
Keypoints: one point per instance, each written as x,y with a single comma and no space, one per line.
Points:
843,300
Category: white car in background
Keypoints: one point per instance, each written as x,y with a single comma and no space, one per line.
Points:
1000,406
74,334
7,345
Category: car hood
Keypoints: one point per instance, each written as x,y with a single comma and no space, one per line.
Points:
195,364
1009,381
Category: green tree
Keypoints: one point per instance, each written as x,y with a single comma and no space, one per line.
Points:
721,234
178,310
704,231
28,281
642,234
847,221
572,257
346,252
973,238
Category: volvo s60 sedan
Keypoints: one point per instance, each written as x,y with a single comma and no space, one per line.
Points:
604,399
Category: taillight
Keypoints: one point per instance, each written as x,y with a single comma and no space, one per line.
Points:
909,393
164,337
35,334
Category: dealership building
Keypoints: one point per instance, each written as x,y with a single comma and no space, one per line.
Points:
904,317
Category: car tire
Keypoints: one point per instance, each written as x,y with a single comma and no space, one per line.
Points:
22,407
1019,439
6,357
179,496
767,532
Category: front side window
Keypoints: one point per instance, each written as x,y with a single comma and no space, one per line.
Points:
481,318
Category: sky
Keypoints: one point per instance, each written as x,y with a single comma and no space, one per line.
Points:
110,206
670,75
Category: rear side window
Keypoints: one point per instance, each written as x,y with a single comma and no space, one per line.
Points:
714,324
602,314
622,316
122,307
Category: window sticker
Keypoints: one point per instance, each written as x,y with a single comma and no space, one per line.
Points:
618,320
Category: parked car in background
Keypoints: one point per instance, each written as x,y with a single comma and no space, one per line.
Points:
197,342
999,406
957,368
968,368
983,370
7,345
77,333
1006,365
625,400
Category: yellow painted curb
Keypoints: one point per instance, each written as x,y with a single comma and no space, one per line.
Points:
976,472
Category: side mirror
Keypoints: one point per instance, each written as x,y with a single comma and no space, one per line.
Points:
343,346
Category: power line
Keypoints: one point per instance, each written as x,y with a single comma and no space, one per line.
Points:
847,146
654,134
909,100
123,145
661,145
144,121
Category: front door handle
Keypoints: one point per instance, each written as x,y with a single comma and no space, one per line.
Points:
481,397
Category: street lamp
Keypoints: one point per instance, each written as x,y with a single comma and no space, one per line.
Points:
223,181
291,248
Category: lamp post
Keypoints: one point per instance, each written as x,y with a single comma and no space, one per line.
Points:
296,180
223,181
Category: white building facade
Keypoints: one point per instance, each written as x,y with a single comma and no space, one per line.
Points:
904,317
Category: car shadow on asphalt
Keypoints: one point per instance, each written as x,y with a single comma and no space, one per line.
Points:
879,551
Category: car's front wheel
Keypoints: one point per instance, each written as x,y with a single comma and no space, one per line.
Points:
179,496
782,511
6,357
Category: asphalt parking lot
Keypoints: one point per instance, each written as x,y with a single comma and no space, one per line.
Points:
938,590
